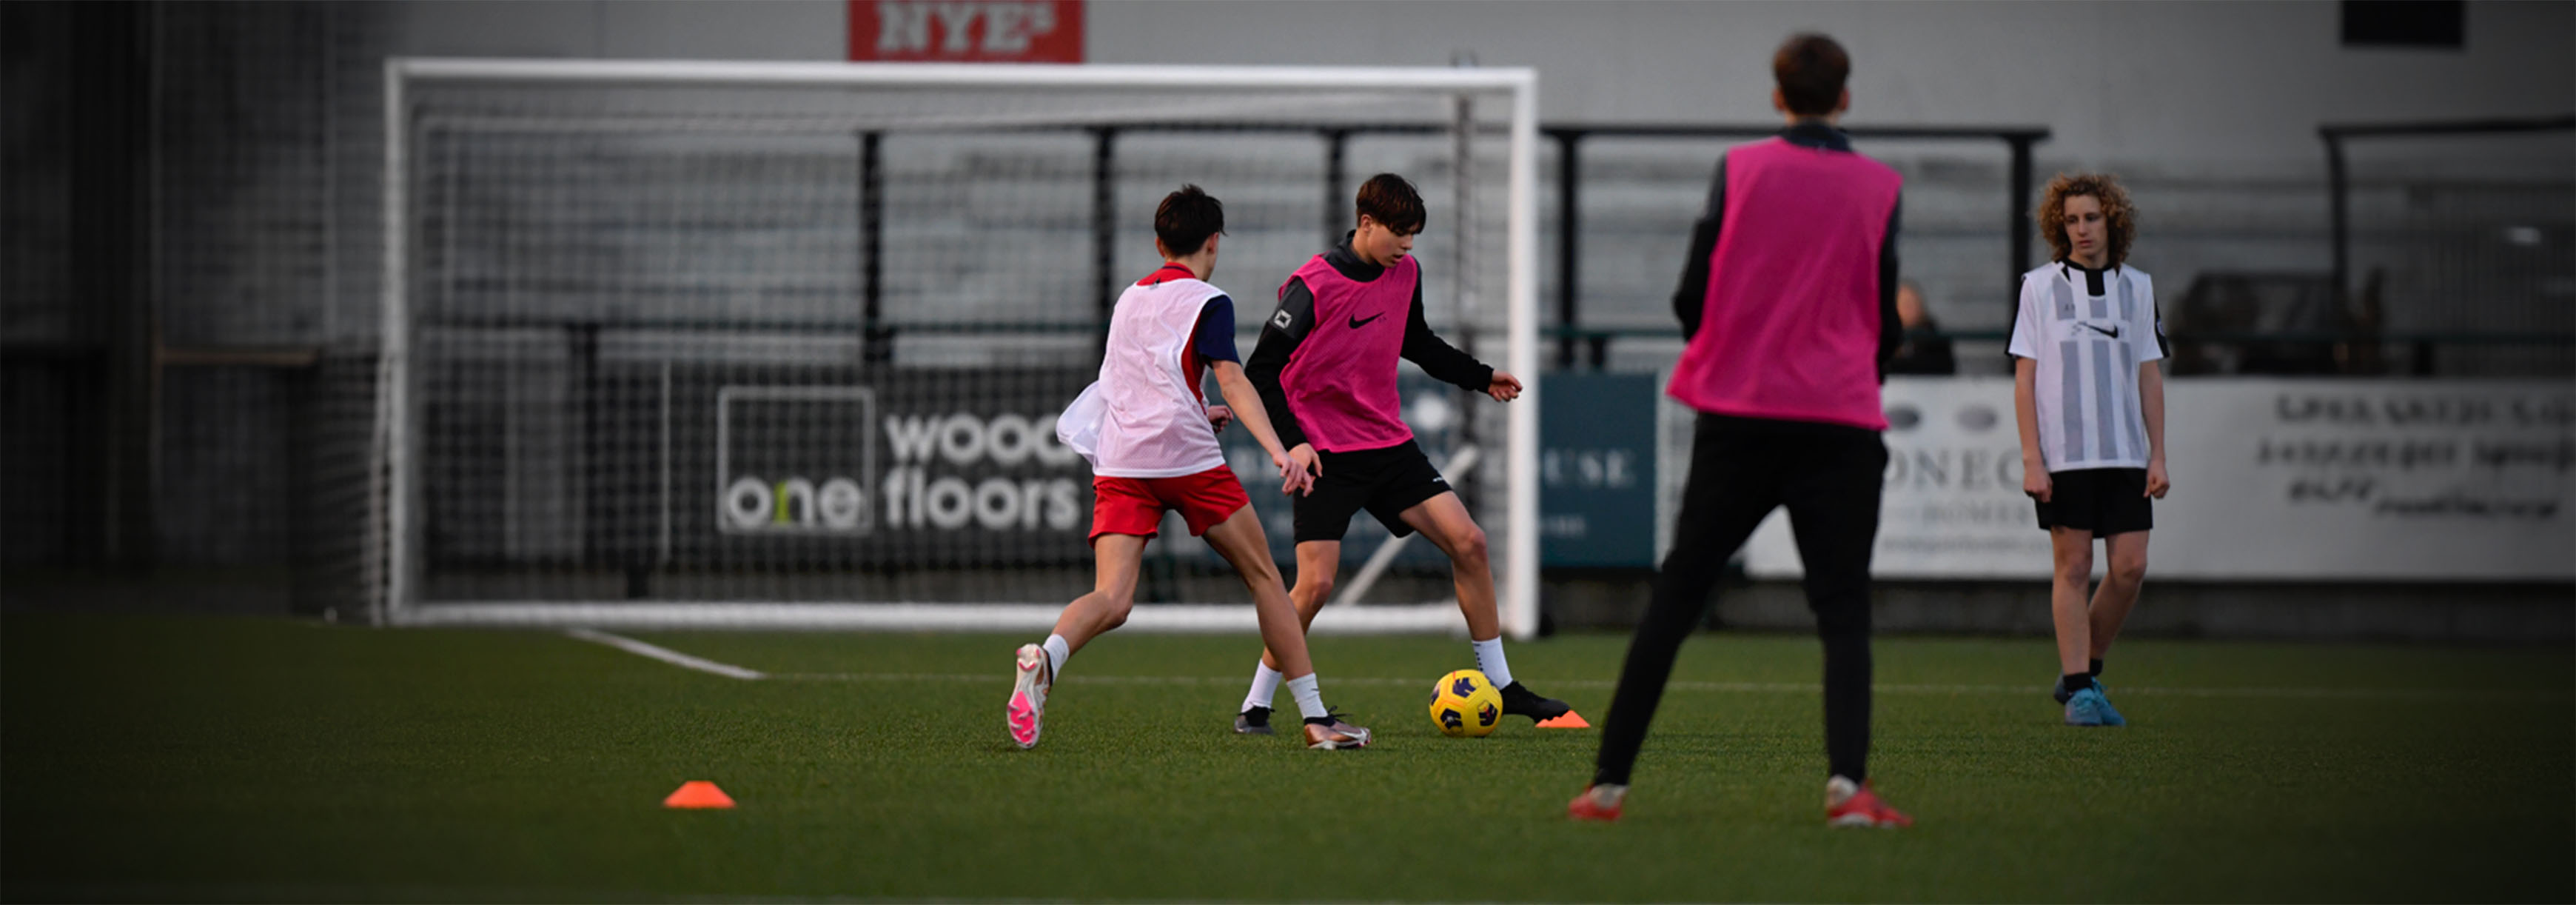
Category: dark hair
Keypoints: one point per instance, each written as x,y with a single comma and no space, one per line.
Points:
2119,217
1186,219
1810,69
1392,202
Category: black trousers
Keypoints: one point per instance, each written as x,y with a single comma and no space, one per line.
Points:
1741,468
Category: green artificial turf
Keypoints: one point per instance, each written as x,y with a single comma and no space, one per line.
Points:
236,759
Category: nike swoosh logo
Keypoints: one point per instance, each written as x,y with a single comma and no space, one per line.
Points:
2113,333
1357,323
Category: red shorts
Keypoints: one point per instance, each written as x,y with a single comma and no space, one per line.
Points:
1135,505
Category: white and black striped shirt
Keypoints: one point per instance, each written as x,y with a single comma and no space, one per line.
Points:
2088,343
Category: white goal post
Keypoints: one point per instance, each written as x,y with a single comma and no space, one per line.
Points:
591,267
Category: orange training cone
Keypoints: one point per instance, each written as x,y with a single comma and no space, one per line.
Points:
1571,720
698,793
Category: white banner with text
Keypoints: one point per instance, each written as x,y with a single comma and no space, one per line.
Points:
2274,479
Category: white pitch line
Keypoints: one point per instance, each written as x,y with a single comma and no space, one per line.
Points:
2362,694
727,670
666,655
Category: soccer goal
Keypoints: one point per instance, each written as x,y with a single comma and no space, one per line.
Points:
782,344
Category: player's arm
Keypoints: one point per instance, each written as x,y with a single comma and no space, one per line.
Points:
2024,348
1445,363
2151,403
2034,472
1891,327
1690,299
2151,389
1214,342
1288,326
1246,402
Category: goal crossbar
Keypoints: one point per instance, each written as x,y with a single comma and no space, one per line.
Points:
1017,76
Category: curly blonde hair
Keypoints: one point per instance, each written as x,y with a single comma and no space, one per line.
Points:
2117,213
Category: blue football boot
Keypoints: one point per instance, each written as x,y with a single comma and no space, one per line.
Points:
2089,708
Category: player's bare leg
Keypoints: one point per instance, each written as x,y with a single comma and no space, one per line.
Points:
2110,607
1118,559
2119,591
1283,626
1445,522
2072,551
2068,605
1316,562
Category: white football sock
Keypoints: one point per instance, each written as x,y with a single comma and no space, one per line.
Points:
1310,699
1265,686
1489,657
1057,652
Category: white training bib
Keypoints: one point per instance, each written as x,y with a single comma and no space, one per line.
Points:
1143,418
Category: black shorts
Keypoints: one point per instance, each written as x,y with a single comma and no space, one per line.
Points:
2105,501
1383,481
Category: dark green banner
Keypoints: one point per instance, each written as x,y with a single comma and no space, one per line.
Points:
1596,473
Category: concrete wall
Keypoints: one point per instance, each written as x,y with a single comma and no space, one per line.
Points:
2206,85
2195,87
684,29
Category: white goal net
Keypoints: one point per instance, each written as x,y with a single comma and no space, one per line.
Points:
782,344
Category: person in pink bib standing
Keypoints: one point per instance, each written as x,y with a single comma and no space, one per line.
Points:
1151,439
1788,298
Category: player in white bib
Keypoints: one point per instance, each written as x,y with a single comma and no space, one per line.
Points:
1151,438
2090,401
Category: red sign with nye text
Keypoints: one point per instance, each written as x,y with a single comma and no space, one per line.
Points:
966,31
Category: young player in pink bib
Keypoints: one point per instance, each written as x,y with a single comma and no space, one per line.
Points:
1151,438
1327,364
